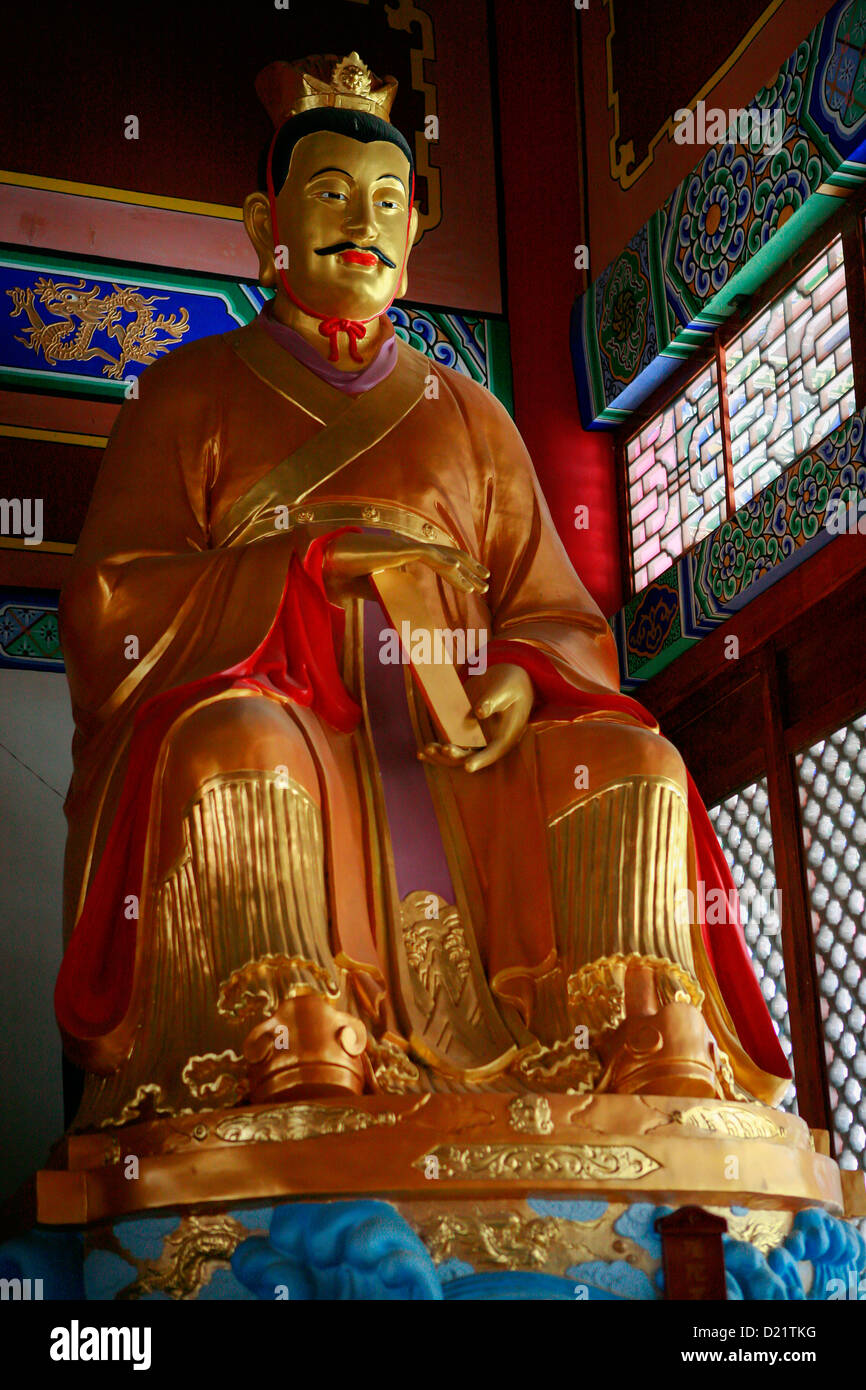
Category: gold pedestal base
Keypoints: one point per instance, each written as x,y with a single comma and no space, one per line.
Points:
447,1148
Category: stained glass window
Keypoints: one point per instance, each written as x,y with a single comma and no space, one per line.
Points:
742,823
676,478
790,378
832,786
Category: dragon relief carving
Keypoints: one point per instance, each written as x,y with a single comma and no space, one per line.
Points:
190,1256
517,1239
300,1120
80,313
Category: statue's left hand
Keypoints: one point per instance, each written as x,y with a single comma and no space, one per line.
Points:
502,699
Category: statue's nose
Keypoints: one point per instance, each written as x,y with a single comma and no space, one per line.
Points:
360,222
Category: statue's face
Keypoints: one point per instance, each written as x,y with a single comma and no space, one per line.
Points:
342,214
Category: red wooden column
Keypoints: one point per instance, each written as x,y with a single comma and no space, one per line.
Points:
533,50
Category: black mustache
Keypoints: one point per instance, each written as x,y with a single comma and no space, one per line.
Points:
352,246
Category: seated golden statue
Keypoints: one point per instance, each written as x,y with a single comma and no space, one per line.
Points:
286,875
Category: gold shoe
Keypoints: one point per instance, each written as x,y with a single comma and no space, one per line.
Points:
646,1027
306,1048
668,1053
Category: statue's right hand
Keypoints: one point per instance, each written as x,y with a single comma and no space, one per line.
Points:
350,559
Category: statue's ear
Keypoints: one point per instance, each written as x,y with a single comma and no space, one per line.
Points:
257,221
413,232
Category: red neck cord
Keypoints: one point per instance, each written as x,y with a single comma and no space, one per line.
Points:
330,326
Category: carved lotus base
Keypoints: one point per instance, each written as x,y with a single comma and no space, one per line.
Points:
623,1148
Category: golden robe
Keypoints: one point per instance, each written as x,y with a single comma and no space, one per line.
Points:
260,825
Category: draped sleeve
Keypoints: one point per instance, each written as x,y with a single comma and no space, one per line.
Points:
535,596
149,603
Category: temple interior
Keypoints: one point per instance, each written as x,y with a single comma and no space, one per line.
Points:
646,238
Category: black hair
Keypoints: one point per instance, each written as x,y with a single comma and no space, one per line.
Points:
358,125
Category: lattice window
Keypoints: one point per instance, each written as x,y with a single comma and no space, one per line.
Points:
832,786
742,823
789,382
790,377
676,478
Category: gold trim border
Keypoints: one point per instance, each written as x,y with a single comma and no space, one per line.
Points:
121,195
44,547
626,180
625,1147
379,515
89,441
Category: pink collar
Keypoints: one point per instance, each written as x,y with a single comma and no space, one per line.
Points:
352,383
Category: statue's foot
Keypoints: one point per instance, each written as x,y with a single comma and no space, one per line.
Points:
644,1018
306,1048
668,1053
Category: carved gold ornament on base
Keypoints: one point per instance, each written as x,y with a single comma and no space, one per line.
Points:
623,1147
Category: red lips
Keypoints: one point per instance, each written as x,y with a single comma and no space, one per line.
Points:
359,257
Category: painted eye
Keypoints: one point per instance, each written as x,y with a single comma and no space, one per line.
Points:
330,194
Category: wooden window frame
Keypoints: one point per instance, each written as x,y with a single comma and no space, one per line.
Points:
847,223
782,689
777,700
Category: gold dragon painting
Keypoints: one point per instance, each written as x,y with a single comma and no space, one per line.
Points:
80,313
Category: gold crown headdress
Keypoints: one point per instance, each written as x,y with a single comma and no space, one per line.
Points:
286,89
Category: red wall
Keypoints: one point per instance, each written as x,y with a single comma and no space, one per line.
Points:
543,221
654,70
187,71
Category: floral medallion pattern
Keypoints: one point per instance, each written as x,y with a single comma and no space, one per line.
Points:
781,189
843,90
716,204
741,194
624,315
785,91
701,244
